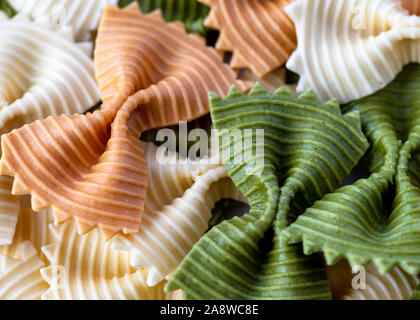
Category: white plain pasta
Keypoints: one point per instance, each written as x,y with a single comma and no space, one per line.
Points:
32,226
42,73
169,231
348,49
84,267
271,82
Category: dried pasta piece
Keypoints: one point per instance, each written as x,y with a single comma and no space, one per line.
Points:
369,284
412,5
263,45
169,181
182,131
190,12
21,279
377,218
416,294
82,16
271,81
56,76
307,151
9,211
6,10
84,267
172,56
170,230
31,226
353,48
91,167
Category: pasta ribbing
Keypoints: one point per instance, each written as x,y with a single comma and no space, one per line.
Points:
377,218
55,76
258,32
85,267
413,6
9,211
353,47
20,279
244,257
366,283
190,12
94,169
31,226
82,16
169,230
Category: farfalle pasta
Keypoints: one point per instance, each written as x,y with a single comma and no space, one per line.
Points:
82,16
231,261
99,176
31,226
144,170
20,278
85,267
169,230
367,283
6,10
270,82
413,6
190,12
353,48
416,294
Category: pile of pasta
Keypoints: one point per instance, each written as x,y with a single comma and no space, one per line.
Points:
90,210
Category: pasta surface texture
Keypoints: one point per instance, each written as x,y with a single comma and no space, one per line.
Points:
94,169
55,76
31,226
169,231
20,278
395,285
82,16
190,12
85,267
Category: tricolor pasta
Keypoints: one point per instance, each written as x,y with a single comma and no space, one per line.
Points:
367,283
266,194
